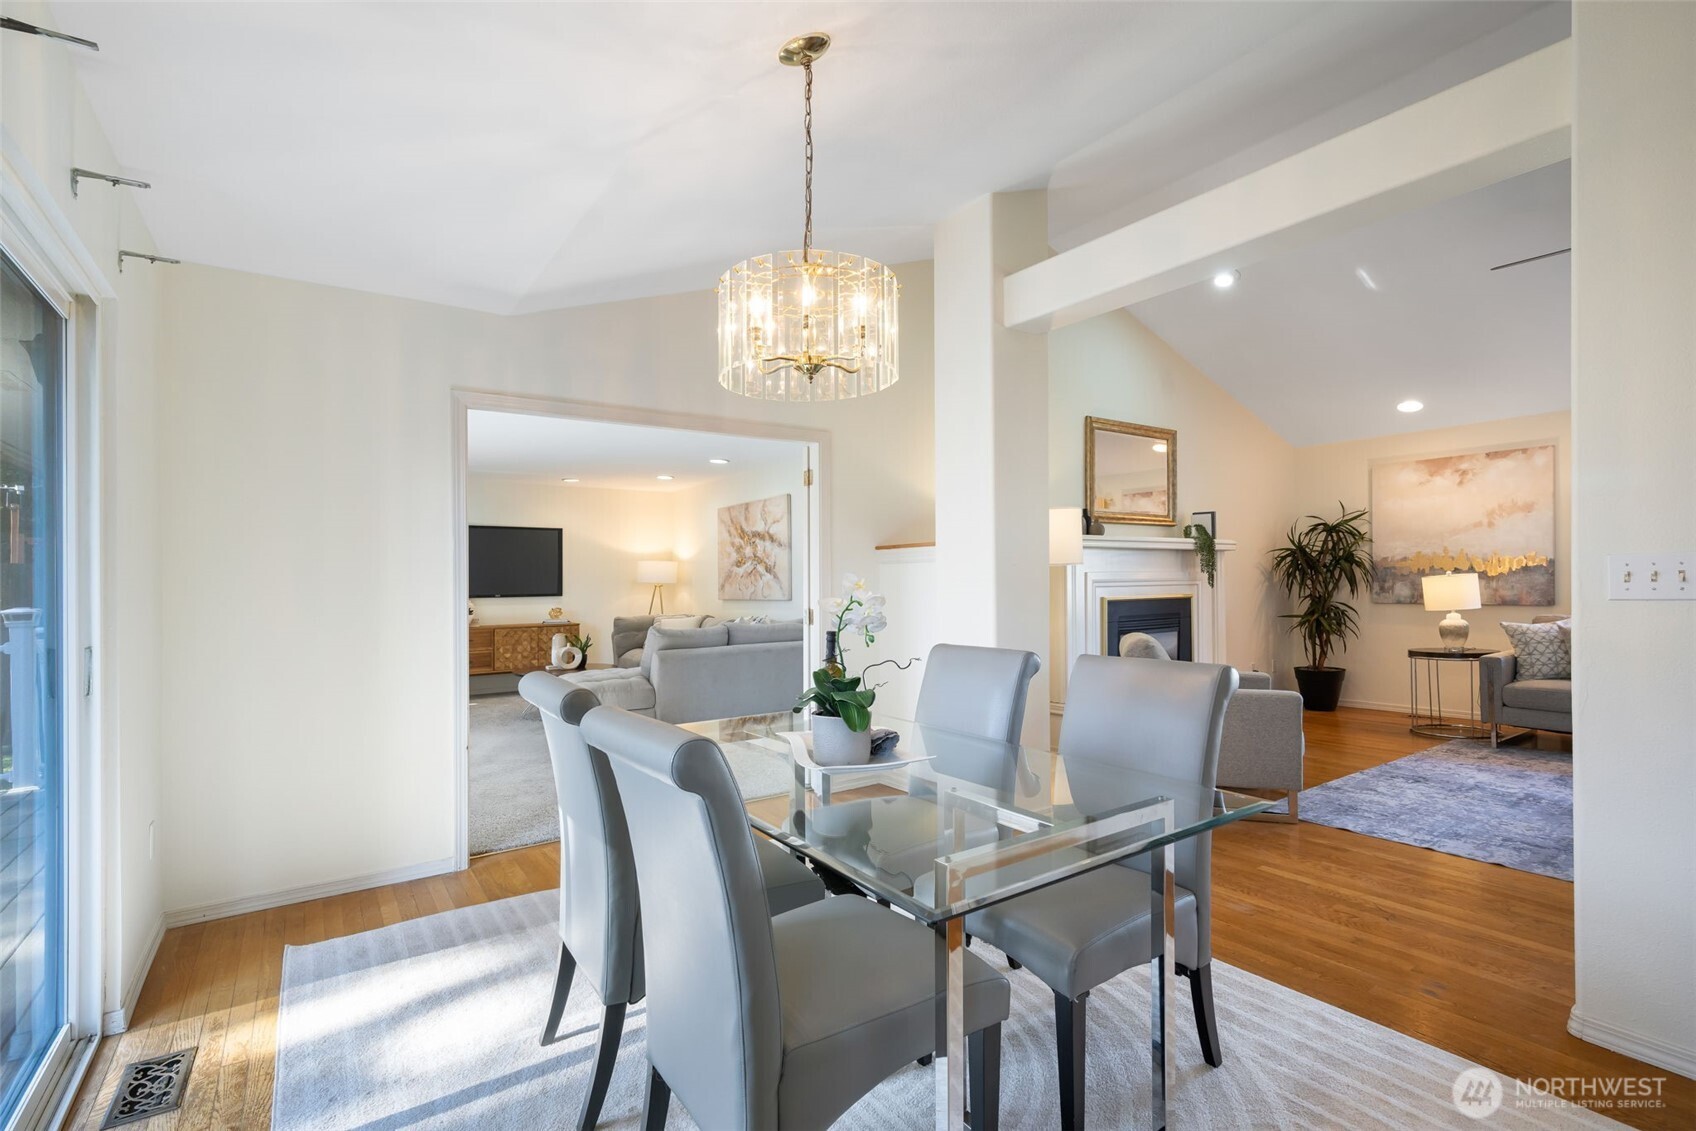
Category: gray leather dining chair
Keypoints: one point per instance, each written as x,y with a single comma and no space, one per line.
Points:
1154,716
599,913
976,690
761,1021
972,690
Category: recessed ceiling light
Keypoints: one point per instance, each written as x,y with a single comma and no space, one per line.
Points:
568,479
1365,279
1225,280
1159,447
718,461
1410,406
663,477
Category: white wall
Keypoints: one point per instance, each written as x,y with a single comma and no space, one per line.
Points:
1228,460
306,491
606,533
50,127
696,541
1377,661
1634,419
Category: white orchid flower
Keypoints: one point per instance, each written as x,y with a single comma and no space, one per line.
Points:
834,605
853,584
874,623
873,600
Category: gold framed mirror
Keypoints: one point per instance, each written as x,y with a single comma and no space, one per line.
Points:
1130,472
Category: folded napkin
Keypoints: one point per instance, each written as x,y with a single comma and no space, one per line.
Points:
884,742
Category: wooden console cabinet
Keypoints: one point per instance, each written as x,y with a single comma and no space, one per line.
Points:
515,648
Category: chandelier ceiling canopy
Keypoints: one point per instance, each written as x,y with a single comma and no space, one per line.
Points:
807,325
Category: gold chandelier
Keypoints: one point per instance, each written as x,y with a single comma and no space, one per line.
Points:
807,325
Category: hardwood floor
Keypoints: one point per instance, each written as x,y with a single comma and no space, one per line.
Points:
1471,957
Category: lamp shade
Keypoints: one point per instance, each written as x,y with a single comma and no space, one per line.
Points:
1451,591
665,573
1065,536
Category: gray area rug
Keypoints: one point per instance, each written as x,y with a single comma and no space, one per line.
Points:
1508,806
434,1023
512,785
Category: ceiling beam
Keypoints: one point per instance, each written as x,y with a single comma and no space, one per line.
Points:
1509,121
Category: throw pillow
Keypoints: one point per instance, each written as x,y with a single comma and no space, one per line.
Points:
665,639
1543,651
776,632
678,620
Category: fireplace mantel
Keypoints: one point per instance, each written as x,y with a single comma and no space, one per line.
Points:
1131,565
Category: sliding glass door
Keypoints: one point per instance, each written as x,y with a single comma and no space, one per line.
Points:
33,951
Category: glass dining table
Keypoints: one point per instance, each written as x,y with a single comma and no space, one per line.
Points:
948,823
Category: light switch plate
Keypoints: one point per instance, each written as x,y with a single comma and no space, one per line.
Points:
1652,577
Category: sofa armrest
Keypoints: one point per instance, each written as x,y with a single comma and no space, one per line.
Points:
1262,746
1254,681
692,684
1495,672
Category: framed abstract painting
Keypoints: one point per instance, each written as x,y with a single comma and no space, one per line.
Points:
1489,512
754,550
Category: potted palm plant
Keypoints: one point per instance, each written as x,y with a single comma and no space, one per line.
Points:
1318,562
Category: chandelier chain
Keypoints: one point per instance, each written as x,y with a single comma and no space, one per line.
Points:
807,129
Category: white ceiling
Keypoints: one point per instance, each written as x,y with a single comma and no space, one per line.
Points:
523,156
1306,345
624,457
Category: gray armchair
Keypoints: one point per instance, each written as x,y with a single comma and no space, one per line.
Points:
756,1021
1263,747
599,916
1507,700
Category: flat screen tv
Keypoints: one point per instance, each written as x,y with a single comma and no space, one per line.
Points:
516,561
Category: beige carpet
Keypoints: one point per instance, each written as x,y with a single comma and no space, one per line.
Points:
434,1023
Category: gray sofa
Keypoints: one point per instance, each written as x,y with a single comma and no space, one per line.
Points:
720,671
1536,704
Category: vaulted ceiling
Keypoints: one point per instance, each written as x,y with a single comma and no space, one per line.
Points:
521,156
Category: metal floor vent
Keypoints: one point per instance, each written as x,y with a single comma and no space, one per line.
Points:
150,1087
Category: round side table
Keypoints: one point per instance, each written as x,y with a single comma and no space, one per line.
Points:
1431,722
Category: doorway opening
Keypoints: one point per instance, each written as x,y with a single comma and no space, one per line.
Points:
579,535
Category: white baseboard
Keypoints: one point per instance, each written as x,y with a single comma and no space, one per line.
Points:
115,1021
1650,1050
223,909
1373,705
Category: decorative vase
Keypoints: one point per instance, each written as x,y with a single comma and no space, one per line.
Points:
832,664
835,745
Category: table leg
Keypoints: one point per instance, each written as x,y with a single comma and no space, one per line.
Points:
950,1064
1163,913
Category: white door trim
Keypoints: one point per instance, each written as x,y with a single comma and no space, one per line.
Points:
465,400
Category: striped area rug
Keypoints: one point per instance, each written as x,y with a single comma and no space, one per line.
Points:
434,1023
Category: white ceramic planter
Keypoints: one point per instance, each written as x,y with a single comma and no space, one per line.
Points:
835,745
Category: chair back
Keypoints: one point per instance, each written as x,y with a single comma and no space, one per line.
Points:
599,907
976,690
1158,717
715,1029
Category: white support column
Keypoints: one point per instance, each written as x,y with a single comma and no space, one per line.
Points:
1634,490
992,439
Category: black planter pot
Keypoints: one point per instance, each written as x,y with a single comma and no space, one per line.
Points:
1320,687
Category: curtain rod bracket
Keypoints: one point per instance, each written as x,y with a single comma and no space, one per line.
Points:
109,178
123,255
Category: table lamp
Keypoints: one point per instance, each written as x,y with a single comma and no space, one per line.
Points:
1452,591
661,574
1065,536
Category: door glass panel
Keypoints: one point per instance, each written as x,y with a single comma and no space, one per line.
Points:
32,856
